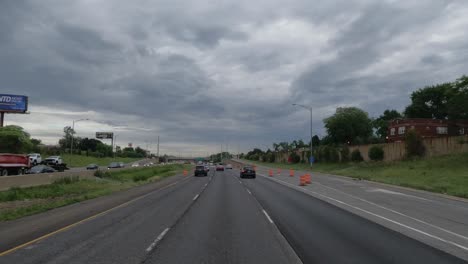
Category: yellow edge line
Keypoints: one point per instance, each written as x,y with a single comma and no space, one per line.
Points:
83,220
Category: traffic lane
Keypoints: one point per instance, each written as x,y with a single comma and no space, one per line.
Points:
225,225
323,233
439,215
120,236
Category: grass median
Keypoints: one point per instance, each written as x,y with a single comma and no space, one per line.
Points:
444,174
19,202
83,161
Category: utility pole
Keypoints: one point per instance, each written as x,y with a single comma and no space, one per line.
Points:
158,148
73,131
311,133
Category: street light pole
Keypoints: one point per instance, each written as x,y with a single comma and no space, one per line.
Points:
311,133
73,131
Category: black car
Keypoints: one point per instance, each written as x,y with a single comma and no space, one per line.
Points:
92,167
41,169
248,172
200,171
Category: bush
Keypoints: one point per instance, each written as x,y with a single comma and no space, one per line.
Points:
328,154
344,154
414,144
294,158
67,180
376,153
102,174
356,156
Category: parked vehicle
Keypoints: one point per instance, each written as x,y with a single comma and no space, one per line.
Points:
134,165
200,170
41,169
248,172
13,164
229,167
92,167
53,160
115,165
35,158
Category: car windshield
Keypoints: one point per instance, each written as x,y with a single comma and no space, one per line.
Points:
234,131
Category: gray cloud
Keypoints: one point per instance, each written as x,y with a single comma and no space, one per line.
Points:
203,73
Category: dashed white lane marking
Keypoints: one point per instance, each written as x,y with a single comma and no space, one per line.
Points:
196,197
206,184
156,241
267,216
373,214
249,191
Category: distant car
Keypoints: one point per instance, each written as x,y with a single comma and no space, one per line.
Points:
229,167
134,165
200,170
122,165
92,167
115,165
219,167
248,172
207,168
41,169
55,160
35,158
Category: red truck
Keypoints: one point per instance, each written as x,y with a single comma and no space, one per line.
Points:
13,164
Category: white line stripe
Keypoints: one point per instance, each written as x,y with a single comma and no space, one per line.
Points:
196,197
267,216
206,184
156,241
396,212
376,215
249,191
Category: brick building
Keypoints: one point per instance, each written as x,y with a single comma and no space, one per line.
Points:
427,128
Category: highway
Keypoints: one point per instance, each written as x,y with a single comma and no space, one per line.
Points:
223,219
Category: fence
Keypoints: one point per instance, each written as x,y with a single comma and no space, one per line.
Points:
434,147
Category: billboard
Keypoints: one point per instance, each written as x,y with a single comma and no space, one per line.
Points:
13,103
104,135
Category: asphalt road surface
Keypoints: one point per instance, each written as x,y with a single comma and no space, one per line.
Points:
222,219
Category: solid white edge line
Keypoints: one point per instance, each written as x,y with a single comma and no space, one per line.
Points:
249,191
267,216
196,197
159,238
376,215
396,212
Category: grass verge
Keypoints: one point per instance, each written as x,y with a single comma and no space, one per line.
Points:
82,160
444,174
20,202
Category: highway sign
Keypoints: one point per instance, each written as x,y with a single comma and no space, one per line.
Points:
104,135
13,103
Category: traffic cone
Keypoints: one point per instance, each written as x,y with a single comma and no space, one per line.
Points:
308,179
291,173
302,180
270,173
185,172
279,171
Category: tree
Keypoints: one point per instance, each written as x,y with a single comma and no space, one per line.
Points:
315,141
141,152
90,144
430,102
348,124
380,124
376,153
65,141
14,139
414,144
457,106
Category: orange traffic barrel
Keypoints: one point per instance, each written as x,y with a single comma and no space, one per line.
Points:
302,180
291,173
270,173
308,179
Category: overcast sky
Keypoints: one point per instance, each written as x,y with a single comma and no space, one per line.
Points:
204,73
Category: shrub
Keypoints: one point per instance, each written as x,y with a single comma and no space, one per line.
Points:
376,153
414,144
356,156
294,158
67,180
344,154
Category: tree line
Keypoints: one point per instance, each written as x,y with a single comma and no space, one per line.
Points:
13,139
353,126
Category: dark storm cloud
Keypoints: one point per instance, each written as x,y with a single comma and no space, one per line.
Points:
209,72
